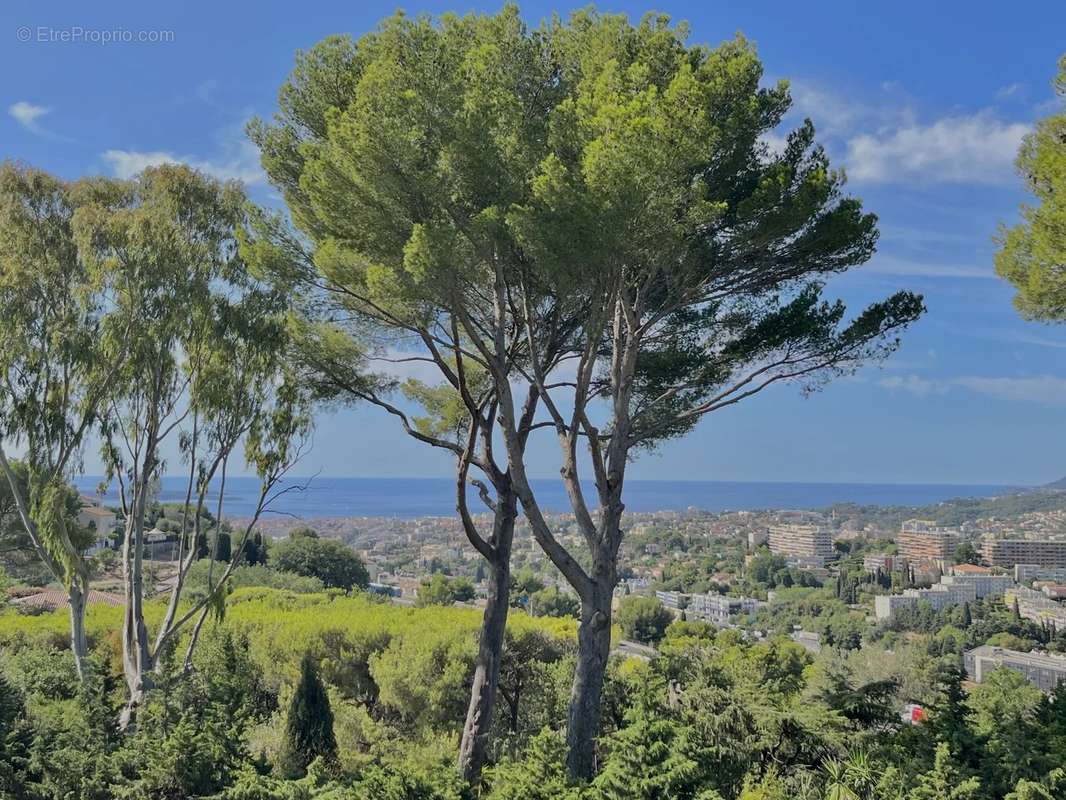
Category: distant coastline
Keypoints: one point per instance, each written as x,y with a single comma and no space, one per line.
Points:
435,497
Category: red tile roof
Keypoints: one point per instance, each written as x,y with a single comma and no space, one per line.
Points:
52,599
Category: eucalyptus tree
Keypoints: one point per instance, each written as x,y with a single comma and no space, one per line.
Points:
55,366
373,144
204,373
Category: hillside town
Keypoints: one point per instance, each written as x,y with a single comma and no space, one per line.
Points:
701,566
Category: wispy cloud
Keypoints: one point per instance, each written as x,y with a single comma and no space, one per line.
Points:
1044,390
914,384
884,138
892,265
988,333
974,149
29,115
26,114
835,115
774,142
1010,90
238,159
1047,390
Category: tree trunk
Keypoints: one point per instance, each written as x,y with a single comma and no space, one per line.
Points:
136,656
475,741
78,642
593,651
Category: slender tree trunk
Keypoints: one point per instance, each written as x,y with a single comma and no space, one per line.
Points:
78,642
136,656
593,650
474,745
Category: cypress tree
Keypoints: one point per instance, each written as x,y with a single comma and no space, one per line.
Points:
309,726
967,615
224,547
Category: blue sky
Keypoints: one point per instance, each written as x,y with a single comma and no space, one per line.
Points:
922,103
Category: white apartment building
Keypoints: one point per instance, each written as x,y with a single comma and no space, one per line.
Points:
1042,670
812,544
984,585
939,596
1023,573
717,608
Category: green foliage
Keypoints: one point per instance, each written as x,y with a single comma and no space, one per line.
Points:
552,602
540,775
440,590
944,781
196,581
966,553
652,757
309,724
329,560
769,571
524,584
643,619
1032,253
711,716
15,744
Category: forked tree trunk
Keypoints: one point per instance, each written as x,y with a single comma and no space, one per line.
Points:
593,651
476,730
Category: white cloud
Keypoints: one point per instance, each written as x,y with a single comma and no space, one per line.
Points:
891,265
243,166
1045,390
835,115
922,387
1010,90
1040,341
975,149
775,143
127,163
237,159
26,114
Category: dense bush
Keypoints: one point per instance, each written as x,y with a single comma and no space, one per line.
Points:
643,619
332,562
196,582
710,716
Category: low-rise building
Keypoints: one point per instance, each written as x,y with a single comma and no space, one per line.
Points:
984,585
939,596
925,573
971,569
811,641
1044,671
884,562
673,600
101,521
1036,606
1023,573
1054,591
53,599
718,608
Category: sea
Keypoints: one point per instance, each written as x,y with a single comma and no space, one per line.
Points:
307,498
